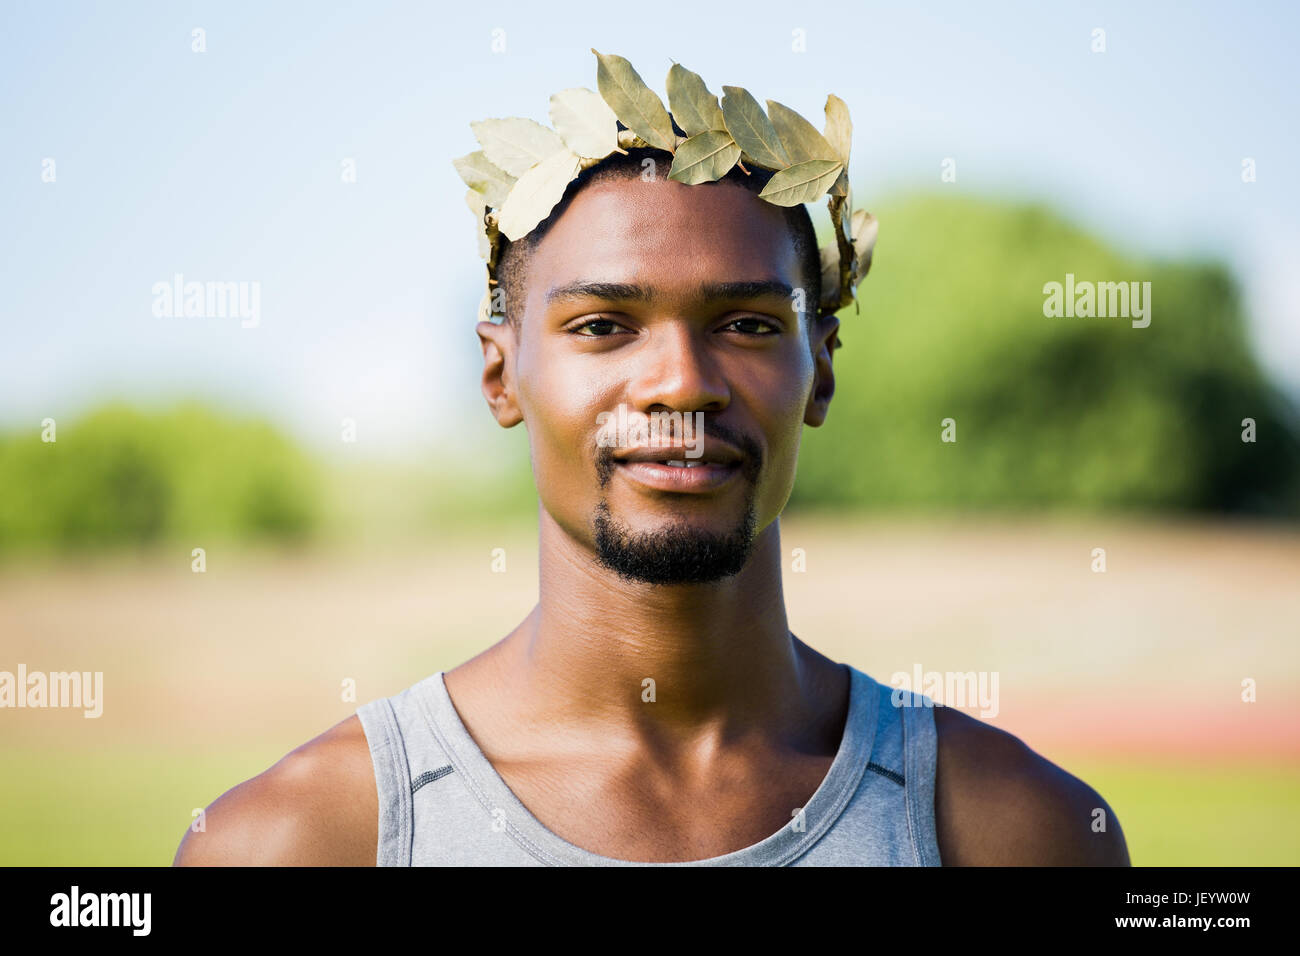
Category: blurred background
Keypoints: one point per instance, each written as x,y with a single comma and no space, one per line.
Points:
336,463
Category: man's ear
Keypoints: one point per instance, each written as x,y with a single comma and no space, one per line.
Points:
824,342
499,341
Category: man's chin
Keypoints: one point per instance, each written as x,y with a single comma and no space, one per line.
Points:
680,551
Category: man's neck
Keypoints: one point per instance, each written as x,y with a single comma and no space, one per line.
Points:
720,656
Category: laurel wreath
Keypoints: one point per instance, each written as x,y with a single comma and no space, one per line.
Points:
523,168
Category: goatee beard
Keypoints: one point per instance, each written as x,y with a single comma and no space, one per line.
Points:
679,553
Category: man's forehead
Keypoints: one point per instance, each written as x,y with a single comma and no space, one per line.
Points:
626,206
666,239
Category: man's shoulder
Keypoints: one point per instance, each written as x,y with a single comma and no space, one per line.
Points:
999,803
317,806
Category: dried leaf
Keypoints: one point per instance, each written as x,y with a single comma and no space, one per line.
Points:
636,105
800,138
585,122
751,129
515,144
841,185
803,182
536,193
865,228
839,128
694,107
630,140
484,177
494,241
704,158
478,207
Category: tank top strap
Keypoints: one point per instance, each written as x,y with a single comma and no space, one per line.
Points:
905,753
394,752
920,759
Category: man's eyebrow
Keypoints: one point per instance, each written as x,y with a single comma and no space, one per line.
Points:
759,289
631,292
618,291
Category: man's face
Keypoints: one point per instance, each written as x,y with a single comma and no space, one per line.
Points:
662,297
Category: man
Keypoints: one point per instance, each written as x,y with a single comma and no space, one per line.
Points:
654,706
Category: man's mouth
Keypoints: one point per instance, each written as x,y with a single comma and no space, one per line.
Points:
671,470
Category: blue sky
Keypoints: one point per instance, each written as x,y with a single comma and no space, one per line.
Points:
225,165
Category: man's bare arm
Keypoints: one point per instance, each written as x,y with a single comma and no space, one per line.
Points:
317,806
998,803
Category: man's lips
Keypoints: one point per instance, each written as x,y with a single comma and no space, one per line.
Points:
706,477
649,466
716,453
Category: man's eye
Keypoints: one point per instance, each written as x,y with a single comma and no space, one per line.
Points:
599,327
755,326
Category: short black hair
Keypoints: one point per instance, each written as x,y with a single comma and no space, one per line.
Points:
514,257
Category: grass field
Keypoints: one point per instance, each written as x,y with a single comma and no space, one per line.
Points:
1130,679
1175,814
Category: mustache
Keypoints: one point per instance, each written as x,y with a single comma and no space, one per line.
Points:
751,451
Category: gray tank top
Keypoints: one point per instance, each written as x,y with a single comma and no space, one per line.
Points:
441,803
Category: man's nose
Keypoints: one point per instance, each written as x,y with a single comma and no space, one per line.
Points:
676,370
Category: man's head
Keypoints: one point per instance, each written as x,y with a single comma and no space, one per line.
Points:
662,297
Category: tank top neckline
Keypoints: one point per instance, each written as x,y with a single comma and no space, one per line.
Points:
788,843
